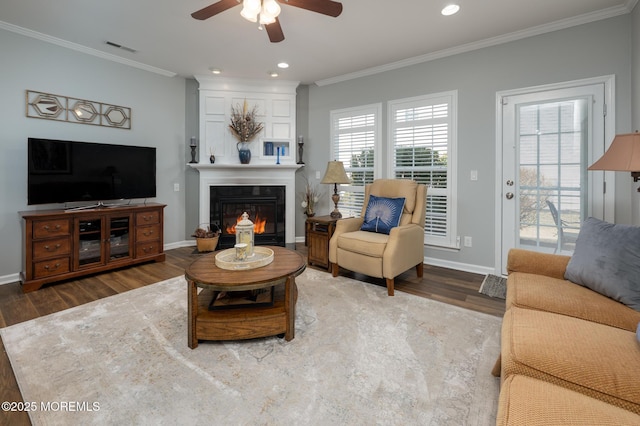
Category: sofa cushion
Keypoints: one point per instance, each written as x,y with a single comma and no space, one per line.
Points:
594,359
607,260
382,214
528,401
532,291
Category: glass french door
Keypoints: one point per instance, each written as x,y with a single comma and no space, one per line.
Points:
549,138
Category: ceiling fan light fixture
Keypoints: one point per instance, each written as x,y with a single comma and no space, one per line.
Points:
271,8
250,10
450,9
270,11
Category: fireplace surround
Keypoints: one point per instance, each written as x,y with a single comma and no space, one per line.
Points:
265,205
238,176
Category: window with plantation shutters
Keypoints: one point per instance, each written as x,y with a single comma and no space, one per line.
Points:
422,147
355,133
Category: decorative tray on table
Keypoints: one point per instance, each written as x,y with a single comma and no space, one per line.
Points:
226,259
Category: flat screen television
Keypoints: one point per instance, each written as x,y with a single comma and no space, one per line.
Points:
67,171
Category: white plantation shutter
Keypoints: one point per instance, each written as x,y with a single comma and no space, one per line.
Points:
422,139
355,133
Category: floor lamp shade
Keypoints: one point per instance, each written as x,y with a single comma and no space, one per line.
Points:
335,174
622,156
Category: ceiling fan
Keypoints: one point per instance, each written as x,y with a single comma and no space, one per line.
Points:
267,11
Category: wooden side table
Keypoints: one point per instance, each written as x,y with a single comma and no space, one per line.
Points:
319,230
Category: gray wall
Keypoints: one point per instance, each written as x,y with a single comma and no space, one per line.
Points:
635,102
165,115
635,16
158,119
590,50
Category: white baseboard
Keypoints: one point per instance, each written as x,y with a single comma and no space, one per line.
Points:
476,269
12,278
8,279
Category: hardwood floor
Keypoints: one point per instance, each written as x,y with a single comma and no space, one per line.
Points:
445,285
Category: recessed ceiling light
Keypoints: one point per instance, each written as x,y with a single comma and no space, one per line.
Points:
273,74
450,9
283,65
216,71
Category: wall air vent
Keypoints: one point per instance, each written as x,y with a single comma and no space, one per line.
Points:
119,46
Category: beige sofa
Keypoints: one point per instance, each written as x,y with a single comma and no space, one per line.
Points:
569,355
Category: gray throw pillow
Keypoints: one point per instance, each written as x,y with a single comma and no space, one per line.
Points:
607,260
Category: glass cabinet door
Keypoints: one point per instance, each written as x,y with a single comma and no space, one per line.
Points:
119,237
90,241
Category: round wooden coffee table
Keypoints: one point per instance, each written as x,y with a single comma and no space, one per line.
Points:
243,321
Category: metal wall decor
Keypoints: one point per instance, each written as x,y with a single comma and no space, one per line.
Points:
62,108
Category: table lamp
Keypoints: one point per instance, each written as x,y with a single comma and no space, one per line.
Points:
622,156
335,174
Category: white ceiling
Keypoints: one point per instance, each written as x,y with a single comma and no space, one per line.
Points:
369,35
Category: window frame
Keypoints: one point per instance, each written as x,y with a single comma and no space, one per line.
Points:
450,239
334,115
385,168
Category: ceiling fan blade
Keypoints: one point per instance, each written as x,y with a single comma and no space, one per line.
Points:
214,9
275,32
326,7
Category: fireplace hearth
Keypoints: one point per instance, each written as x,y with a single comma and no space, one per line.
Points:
264,204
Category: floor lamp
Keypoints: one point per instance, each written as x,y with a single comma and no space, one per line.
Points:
335,174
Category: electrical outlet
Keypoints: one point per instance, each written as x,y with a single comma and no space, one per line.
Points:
176,187
467,241
474,175
317,174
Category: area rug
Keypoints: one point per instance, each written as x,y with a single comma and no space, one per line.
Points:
359,357
494,286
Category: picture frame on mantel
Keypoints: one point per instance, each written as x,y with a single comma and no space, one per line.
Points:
269,149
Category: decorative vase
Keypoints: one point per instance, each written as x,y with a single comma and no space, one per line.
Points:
244,152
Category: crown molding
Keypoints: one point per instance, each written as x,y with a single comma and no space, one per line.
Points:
208,82
83,49
493,41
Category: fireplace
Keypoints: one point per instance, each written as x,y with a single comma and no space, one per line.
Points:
236,177
264,204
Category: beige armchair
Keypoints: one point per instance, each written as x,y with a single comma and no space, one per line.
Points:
377,254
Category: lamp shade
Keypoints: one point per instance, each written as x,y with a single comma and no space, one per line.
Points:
622,156
335,173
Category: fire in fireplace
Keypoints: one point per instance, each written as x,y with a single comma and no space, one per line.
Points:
265,206
259,225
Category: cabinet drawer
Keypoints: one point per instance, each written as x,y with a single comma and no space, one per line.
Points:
147,233
53,247
50,228
51,267
147,218
147,249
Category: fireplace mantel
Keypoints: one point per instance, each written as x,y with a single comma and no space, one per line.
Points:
249,175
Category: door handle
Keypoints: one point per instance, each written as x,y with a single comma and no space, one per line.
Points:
509,195
509,182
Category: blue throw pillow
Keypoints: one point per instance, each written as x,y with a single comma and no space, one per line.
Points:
382,214
607,260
